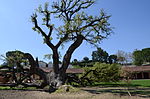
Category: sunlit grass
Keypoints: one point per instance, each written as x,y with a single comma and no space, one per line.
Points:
131,83
16,88
142,83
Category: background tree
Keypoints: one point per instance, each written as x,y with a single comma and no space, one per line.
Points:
75,26
112,59
124,57
84,62
141,56
100,56
85,59
137,56
15,58
74,62
146,55
128,58
16,61
120,56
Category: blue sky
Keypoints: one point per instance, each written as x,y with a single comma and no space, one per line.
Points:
131,19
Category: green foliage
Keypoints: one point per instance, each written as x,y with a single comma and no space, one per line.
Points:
146,54
112,59
74,26
76,66
48,56
85,59
75,62
103,72
74,21
100,56
138,60
141,56
81,64
15,58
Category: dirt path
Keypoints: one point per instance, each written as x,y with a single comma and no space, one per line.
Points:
15,94
89,93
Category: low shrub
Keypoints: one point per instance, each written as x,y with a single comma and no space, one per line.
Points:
100,72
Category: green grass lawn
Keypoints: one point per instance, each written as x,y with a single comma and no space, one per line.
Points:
135,87
132,83
16,88
142,83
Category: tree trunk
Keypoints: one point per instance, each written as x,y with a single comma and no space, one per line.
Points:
57,77
71,49
67,56
55,61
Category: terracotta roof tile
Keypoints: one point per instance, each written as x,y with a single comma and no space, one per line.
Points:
69,70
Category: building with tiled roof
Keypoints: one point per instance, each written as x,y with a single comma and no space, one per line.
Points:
138,72
68,71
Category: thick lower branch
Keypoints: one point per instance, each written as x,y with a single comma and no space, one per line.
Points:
67,57
34,69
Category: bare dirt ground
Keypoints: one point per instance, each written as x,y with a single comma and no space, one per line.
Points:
87,93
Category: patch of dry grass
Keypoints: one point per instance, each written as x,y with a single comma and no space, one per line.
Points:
112,96
84,93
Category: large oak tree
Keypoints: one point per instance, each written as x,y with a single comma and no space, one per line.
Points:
74,26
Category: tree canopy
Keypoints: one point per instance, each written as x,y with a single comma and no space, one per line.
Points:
103,57
124,57
141,56
100,56
15,58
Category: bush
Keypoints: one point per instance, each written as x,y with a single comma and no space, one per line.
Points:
101,72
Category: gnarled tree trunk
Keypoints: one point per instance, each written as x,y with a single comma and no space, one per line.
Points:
58,76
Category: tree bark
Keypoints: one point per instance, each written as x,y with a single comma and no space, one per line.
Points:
52,78
67,56
55,61
58,76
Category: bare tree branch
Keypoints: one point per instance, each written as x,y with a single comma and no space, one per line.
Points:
34,20
62,40
71,49
81,6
